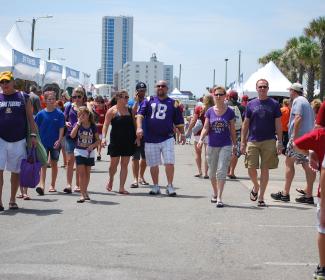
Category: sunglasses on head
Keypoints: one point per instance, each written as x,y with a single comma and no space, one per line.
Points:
76,96
219,94
4,82
262,86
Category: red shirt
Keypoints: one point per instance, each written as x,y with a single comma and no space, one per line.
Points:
320,118
101,112
315,141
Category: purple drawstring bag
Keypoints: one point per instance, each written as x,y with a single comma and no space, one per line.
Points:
30,170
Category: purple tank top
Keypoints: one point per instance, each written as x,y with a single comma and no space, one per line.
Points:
13,121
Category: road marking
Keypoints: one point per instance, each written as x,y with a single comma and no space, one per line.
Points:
290,264
286,226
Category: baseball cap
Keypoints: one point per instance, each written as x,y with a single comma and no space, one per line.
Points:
7,75
297,87
245,98
140,85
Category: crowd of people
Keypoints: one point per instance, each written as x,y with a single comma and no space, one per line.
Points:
223,129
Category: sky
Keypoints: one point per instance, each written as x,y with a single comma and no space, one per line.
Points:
199,35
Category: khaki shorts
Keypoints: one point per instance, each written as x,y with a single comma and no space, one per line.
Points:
266,150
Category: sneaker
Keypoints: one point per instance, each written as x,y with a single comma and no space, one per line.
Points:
99,158
303,199
280,196
154,190
170,191
213,199
319,273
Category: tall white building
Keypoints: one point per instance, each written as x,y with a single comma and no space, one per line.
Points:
149,72
117,46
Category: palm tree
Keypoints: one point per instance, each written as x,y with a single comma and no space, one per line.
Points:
309,55
316,29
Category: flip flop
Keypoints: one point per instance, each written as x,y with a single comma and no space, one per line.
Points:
198,175
144,183
253,195
232,176
124,192
52,190
206,177
40,191
81,200
20,196
13,206
134,185
76,189
26,197
261,203
301,191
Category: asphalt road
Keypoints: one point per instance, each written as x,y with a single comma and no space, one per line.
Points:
144,237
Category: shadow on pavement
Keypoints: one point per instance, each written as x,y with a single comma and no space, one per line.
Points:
101,202
44,200
37,212
244,207
98,171
293,207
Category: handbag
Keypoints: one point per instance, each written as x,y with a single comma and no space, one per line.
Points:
40,150
30,170
197,127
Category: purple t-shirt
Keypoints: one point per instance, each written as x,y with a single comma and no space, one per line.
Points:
85,137
13,120
160,116
219,127
70,115
262,115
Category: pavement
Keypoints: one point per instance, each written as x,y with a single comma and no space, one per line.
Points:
158,237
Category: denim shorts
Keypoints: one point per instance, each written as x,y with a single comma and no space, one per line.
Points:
69,145
54,153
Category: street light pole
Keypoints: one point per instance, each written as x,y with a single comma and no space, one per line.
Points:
226,60
33,33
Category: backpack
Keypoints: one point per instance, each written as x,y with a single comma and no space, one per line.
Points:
238,119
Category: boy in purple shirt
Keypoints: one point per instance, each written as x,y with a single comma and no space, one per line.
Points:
160,116
258,140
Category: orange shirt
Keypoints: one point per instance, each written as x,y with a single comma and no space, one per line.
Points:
285,111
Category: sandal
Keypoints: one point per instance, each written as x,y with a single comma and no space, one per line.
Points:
81,200
198,175
39,190
13,206
124,192
301,191
52,190
20,196
232,176
67,190
219,204
143,183
206,177
134,185
76,189
26,197
261,203
253,195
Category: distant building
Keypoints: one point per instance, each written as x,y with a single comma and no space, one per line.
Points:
99,76
117,47
176,82
149,72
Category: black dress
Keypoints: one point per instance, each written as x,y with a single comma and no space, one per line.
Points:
122,137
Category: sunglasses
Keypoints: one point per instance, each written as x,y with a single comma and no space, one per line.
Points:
263,87
161,86
125,97
76,96
219,94
4,82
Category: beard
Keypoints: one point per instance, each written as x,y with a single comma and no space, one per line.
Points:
161,94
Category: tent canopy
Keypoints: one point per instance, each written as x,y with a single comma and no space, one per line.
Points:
278,83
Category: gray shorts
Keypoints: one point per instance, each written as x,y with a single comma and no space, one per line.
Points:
218,160
290,152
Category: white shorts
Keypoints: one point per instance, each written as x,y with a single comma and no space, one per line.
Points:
11,155
154,151
319,228
197,138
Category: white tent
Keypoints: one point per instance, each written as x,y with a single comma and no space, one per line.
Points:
278,83
176,94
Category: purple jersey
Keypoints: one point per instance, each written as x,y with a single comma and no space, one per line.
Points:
262,115
160,116
219,127
13,124
70,115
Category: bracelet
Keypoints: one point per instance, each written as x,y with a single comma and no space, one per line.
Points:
33,134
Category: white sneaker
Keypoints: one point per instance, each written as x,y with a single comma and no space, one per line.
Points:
155,190
170,191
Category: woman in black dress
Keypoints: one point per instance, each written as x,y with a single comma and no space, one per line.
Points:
122,139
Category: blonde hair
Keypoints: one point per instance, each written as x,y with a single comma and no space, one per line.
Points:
80,89
315,104
286,101
208,102
84,109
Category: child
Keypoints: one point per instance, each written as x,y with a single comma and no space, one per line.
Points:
87,139
50,122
